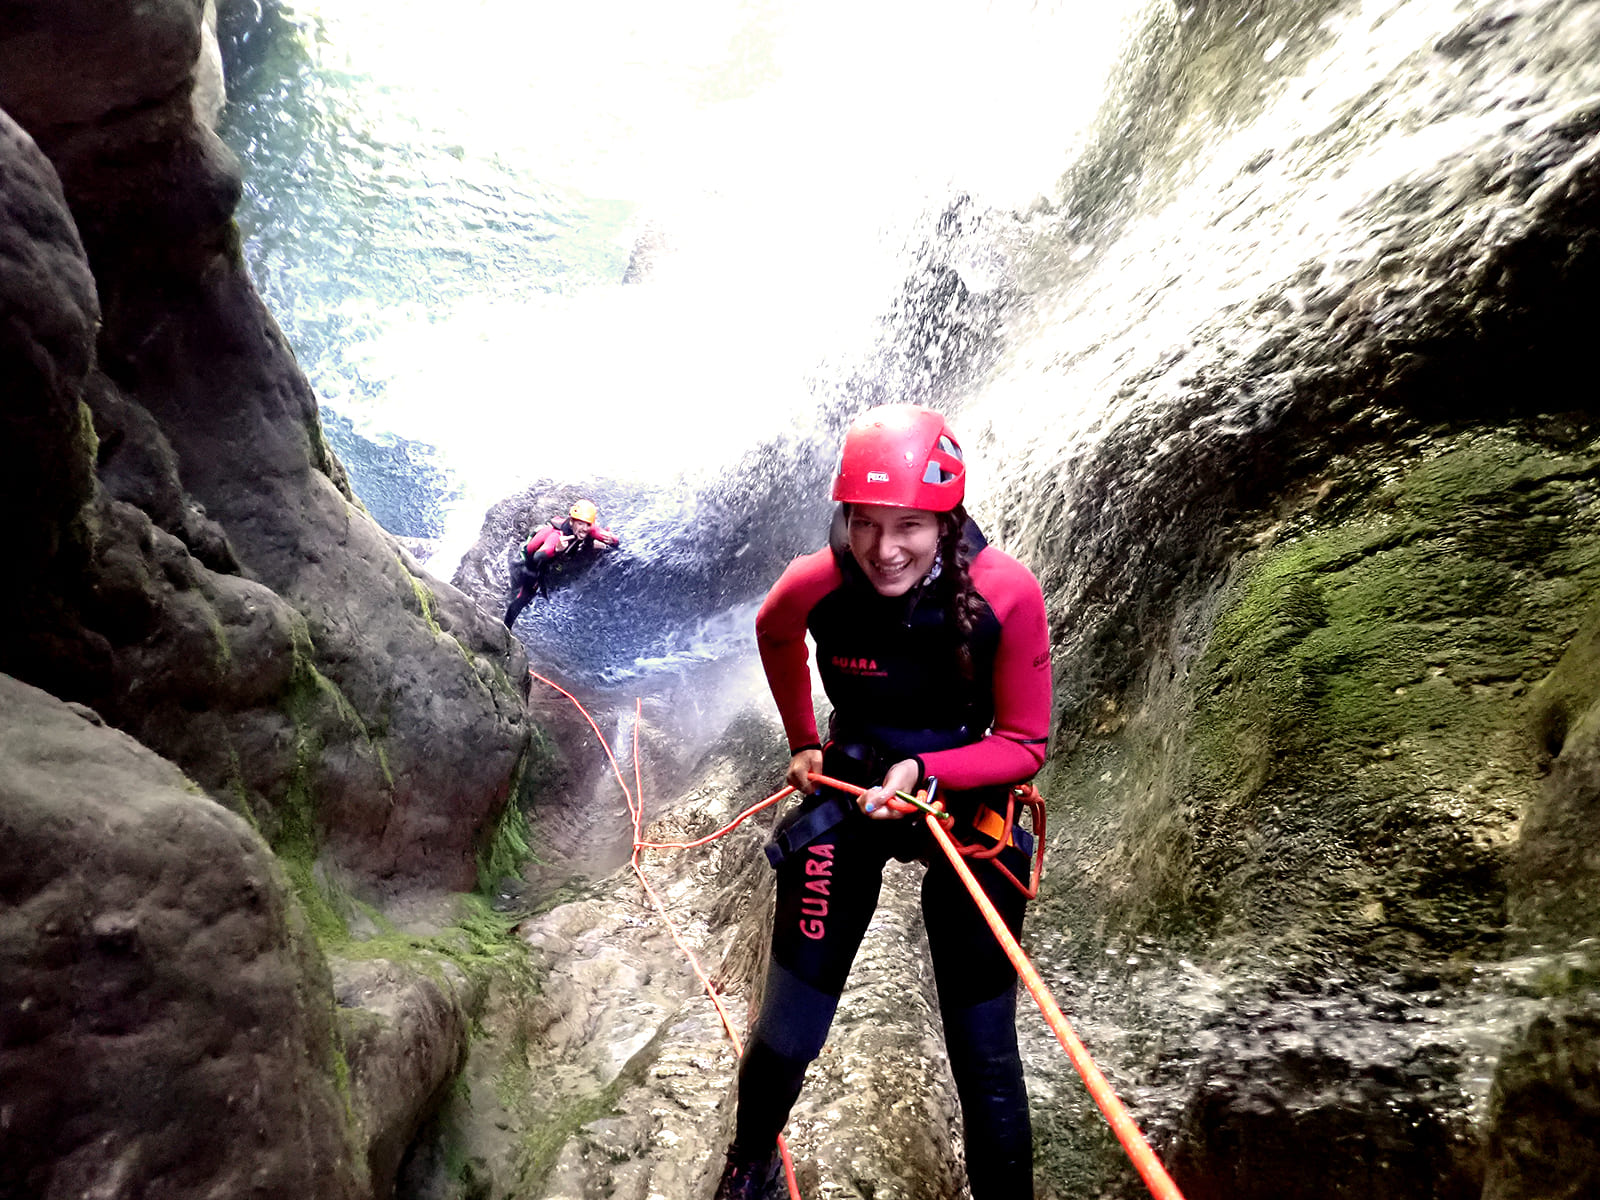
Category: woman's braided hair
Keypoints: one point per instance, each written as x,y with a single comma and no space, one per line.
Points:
963,604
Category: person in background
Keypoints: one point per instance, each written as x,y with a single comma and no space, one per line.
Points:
549,548
934,651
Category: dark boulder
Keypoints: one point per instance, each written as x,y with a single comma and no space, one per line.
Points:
153,968
393,711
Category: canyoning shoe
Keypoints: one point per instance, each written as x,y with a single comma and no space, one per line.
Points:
746,1178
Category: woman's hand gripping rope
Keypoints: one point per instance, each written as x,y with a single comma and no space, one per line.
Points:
880,803
893,800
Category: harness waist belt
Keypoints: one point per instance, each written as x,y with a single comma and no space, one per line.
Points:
835,807
807,826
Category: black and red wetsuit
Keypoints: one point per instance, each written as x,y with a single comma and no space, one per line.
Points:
539,555
890,668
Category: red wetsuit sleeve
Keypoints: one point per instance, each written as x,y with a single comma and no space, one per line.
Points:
1014,749
781,638
604,535
545,540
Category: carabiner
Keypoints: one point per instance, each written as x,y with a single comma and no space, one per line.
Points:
923,804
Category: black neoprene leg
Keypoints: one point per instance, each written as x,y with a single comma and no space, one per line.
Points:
827,893
982,1042
978,1002
769,1084
518,603
785,1039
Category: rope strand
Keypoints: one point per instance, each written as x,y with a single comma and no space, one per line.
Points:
636,811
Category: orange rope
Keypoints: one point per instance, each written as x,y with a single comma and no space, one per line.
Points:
636,811
728,828
1122,1124
1144,1159
604,745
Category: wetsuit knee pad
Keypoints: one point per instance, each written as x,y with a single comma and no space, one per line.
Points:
795,1016
987,1065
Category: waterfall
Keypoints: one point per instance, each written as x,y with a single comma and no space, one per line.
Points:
523,243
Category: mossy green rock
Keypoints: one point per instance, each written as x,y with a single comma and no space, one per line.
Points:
1361,753
1336,815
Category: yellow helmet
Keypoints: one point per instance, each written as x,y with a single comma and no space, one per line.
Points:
584,510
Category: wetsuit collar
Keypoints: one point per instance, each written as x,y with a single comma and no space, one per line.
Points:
972,537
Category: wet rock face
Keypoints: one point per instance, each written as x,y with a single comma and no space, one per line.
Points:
1326,1098
1322,581
106,91
136,464
48,300
1545,1107
404,1033
612,1076
374,709
1453,287
1330,853
1555,874
72,63
1322,586
152,969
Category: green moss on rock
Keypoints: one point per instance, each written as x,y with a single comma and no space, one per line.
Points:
1571,690
479,942
1357,754
313,704
424,596
507,848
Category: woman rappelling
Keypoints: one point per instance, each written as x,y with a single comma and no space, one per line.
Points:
933,649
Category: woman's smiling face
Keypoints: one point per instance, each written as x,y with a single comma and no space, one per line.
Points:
894,547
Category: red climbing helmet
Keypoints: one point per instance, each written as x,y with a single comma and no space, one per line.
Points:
901,455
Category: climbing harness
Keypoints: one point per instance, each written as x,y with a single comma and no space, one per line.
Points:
1002,831
1116,1114
814,818
997,830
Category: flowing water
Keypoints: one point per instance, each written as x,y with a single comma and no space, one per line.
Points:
664,251
659,246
